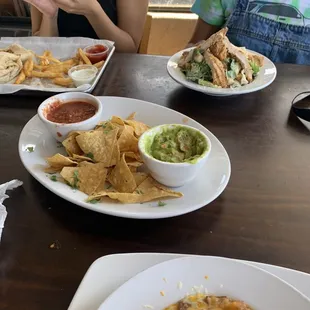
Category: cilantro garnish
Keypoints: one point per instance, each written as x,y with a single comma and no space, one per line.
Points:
90,155
53,178
30,149
161,203
93,201
75,179
139,191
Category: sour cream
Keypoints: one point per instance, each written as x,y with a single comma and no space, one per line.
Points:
83,74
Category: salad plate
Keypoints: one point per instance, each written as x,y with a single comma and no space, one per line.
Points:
219,68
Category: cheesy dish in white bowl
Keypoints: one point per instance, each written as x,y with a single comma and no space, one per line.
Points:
208,283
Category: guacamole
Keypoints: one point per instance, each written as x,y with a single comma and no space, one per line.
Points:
177,144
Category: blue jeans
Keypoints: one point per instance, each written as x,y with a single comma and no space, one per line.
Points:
280,42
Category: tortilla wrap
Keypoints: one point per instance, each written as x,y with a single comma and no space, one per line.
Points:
10,67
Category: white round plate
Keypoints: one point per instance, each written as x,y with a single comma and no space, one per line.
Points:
214,275
265,77
207,186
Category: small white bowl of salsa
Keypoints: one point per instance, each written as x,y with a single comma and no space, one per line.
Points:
174,153
68,112
97,53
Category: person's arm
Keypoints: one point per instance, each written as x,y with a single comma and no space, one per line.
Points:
43,25
131,19
202,31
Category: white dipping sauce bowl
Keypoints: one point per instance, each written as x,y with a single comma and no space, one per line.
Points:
83,74
61,130
171,174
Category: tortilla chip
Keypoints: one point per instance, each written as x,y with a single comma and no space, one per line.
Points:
86,178
121,177
81,158
117,120
60,161
140,177
77,132
106,125
139,128
129,129
102,185
52,169
135,164
147,191
131,156
71,145
84,163
133,161
132,169
98,143
115,155
127,142
110,170
131,116
150,180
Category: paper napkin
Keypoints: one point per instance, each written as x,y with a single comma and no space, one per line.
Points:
3,189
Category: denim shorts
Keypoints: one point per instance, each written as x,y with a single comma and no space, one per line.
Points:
280,42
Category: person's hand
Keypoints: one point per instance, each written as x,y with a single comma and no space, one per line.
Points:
47,7
79,7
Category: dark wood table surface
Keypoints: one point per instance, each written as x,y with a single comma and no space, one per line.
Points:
263,215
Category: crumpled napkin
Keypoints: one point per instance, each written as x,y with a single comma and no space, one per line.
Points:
3,188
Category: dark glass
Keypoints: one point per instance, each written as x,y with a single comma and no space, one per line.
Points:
301,107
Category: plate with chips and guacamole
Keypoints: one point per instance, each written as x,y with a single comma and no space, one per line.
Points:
120,156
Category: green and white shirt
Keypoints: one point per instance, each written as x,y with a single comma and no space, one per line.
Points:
216,12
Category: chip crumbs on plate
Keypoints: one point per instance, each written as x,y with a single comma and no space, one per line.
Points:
104,162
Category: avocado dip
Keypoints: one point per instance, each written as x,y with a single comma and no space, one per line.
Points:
177,144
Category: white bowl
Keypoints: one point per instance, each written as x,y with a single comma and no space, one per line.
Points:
84,79
220,276
171,174
265,77
59,130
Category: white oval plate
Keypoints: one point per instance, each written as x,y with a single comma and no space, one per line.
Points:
219,276
265,77
207,186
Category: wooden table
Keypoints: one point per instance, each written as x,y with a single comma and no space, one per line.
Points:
263,215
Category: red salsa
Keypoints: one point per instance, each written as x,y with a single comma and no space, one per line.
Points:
71,112
97,53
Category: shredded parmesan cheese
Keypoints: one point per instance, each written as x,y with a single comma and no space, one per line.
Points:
180,285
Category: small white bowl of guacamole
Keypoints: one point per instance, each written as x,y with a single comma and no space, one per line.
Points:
174,153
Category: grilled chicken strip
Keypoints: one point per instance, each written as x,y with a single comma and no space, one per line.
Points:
218,36
217,68
241,58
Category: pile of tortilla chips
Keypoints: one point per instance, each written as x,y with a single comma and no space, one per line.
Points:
103,163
